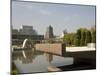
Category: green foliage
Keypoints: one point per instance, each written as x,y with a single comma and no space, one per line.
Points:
66,39
78,37
69,39
88,37
79,33
94,36
93,31
77,41
14,70
83,36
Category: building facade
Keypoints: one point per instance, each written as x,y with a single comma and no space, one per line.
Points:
49,33
27,30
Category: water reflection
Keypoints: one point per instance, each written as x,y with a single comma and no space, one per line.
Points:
39,63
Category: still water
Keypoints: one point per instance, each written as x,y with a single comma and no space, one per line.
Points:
39,64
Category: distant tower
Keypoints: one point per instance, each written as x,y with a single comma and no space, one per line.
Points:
49,32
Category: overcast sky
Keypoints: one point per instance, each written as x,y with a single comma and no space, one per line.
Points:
59,16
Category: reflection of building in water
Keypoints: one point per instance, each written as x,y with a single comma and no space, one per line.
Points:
49,33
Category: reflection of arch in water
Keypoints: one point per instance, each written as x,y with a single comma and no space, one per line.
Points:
26,52
26,44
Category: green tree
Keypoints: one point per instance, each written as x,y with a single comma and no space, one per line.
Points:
94,36
66,39
78,37
83,36
76,41
88,37
72,36
93,31
69,38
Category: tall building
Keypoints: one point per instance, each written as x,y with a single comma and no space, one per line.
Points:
49,32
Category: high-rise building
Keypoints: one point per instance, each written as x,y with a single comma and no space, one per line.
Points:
49,32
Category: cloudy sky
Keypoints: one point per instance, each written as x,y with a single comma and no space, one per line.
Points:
59,16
